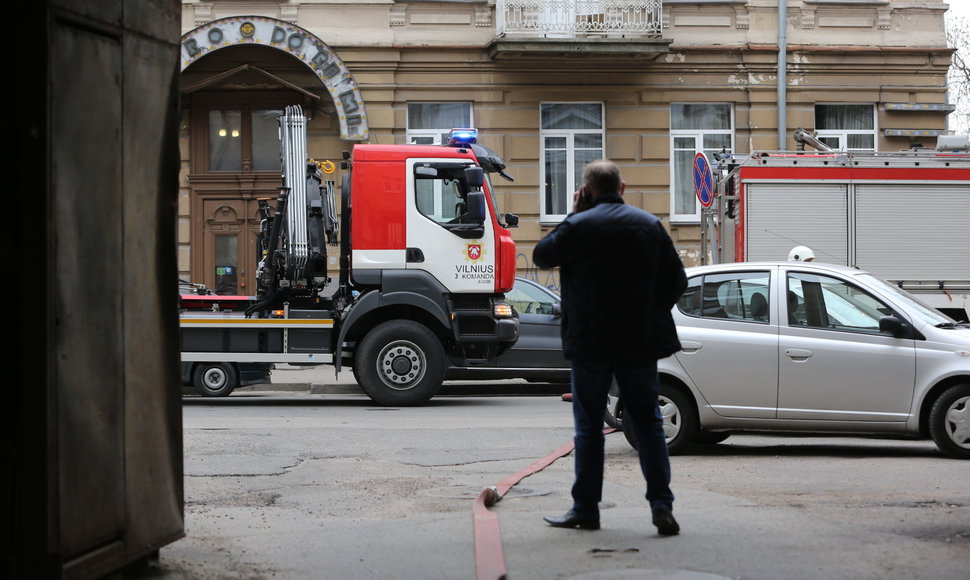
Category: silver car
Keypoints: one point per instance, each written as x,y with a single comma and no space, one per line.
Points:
811,348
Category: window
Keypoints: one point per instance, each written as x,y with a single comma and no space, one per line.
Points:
735,296
225,129
846,127
226,277
238,134
695,128
440,192
527,299
823,302
571,136
265,128
229,145
430,123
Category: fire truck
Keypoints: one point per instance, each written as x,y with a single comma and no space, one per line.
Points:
904,217
424,262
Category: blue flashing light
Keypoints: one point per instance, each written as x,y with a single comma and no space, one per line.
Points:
461,137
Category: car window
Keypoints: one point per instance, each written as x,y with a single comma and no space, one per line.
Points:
823,302
924,311
740,296
528,299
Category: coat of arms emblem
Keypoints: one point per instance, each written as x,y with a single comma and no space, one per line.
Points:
474,251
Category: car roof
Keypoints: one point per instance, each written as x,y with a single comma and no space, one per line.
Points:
809,266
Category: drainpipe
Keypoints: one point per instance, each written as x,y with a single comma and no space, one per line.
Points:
782,75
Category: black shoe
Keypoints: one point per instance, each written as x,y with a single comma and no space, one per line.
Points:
573,520
665,522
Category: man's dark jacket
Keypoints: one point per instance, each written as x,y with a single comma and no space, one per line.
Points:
620,276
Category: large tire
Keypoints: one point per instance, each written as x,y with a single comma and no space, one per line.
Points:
950,421
400,363
680,420
215,379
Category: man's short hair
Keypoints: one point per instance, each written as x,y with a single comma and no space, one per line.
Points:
602,176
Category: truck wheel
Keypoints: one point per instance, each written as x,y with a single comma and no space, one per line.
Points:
400,363
215,379
950,421
680,420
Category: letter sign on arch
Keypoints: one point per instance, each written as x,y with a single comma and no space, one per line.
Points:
319,57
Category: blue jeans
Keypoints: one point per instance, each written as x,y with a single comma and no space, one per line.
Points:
639,388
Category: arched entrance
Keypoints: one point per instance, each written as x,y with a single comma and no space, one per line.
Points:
238,74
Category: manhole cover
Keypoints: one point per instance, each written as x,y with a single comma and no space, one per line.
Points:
467,492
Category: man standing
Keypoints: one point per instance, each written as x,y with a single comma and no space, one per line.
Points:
620,276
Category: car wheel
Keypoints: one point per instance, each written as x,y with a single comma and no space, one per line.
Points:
400,363
215,379
950,421
614,408
680,420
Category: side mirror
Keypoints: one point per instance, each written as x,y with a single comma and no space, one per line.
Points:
556,309
474,177
511,220
475,202
894,326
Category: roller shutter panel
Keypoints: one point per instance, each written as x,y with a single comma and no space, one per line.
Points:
913,232
780,216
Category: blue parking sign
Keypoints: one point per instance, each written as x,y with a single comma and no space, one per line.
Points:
703,180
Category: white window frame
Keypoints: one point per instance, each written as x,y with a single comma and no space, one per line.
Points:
843,134
698,136
545,217
437,135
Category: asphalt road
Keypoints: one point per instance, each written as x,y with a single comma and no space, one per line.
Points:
292,483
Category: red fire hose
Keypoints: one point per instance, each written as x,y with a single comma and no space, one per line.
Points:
489,558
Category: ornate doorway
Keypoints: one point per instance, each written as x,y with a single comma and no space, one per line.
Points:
234,163
238,74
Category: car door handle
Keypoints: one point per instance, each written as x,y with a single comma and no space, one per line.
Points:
798,353
690,346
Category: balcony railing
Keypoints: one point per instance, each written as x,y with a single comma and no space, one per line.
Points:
579,18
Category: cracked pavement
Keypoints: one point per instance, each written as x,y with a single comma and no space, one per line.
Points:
300,485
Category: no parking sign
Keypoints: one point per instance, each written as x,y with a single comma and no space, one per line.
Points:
703,180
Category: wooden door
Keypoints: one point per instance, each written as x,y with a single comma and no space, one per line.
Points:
229,254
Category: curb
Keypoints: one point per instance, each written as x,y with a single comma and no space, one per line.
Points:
311,388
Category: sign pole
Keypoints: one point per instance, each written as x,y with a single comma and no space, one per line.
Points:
704,189
703,237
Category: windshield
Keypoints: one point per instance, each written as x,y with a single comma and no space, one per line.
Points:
491,195
926,313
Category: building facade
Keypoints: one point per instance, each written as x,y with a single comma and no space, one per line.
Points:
550,84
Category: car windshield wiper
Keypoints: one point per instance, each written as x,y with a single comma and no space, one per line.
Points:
951,324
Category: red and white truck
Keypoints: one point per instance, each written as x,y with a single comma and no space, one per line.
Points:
904,217
424,262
